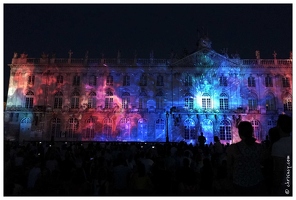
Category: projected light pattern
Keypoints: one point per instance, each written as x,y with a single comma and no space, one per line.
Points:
145,100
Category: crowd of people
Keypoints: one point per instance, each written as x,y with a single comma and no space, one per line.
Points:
156,169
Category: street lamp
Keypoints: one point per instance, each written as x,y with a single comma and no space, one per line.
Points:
167,127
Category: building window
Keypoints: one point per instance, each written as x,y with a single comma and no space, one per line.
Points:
31,80
251,81
58,100
271,123
188,101
142,129
142,99
107,127
206,101
225,130
252,102
109,81
270,102
159,128
286,82
189,132
287,102
73,125
159,81
159,99
75,100
56,127
223,81
29,99
143,80
125,100
256,128
76,80
109,99
126,80
90,131
188,80
91,103
92,80
60,79
125,126
223,101
268,81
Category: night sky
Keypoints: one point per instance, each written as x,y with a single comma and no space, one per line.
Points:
163,28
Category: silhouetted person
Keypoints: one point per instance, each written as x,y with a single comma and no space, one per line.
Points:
282,156
244,163
201,140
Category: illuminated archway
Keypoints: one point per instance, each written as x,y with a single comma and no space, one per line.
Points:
189,129
142,129
208,130
125,126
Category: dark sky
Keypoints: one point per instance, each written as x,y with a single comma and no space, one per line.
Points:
107,28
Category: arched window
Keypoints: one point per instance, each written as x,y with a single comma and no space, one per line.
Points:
107,127
90,130
76,80
159,81
58,100
223,101
60,79
252,102
56,127
225,130
159,99
109,81
125,125
92,100
92,80
109,99
75,99
125,100
223,81
268,81
73,125
190,130
270,102
188,101
287,102
143,80
31,79
142,99
142,129
251,81
286,82
206,101
126,80
159,128
188,80
29,99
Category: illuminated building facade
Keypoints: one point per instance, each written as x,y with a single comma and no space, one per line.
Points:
153,100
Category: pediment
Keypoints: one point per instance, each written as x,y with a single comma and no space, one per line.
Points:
203,58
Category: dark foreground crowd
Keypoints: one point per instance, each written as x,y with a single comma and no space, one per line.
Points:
130,169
